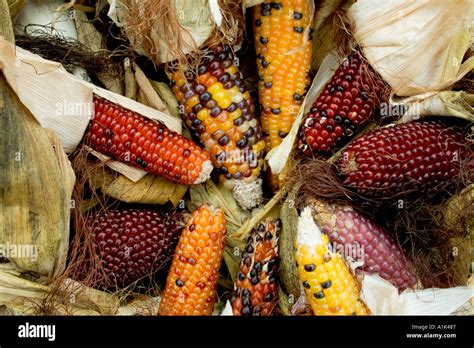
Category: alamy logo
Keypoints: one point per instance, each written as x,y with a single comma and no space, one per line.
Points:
37,331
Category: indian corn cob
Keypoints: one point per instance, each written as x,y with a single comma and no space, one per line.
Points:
256,290
329,285
146,144
346,103
415,156
192,280
362,240
134,243
283,47
219,111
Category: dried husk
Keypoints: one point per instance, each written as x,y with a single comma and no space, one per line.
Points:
167,96
149,190
20,296
88,35
33,176
15,7
425,58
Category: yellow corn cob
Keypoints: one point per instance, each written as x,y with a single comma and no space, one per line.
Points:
330,286
192,281
219,111
283,47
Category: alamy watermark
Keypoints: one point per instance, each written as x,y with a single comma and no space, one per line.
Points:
66,108
19,251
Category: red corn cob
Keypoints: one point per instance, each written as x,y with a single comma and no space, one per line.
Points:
133,244
256,290
345,104
352,232
146,144
403,157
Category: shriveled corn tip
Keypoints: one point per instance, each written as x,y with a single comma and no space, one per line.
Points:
256,290
330,286
146,144
192,281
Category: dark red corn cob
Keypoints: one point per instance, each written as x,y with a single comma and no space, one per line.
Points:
345,104
146,144
362,240
417,156
133,244
255,290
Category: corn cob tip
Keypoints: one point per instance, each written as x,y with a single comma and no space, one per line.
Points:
248,194
205,173
308,233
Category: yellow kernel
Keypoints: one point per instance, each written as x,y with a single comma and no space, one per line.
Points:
203,114
194,100
215,88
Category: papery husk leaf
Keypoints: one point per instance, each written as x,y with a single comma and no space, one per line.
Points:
142,305
149,190
88,35
427,57
25,297
167,96
221,197
6,26
145,85
32,176
288,271
16,6
458,213
446,103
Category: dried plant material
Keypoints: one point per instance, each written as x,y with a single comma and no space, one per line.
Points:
167,30
218,196
288,271
90,37
141,306
149,190
6,27
445,103
458,213
147,88
167,96
67,107
425,58
24,297
131,86
32,175
16,6
382,298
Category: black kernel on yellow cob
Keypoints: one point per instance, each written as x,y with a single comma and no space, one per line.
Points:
284,48
330,286
218,109
256,290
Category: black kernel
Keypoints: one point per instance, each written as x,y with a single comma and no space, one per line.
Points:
276,5
327,284
338,119
242,143
258,22
263,40
306,285
223,140
299,30
340,89
264,63
319,295
246,311
268,85
297,97
276,111
364,95
268,236
258,267
249,249
268,297
255,281
297,15
246,293
282,134
241,276
246,301
179,283
253,273
348,77
309,267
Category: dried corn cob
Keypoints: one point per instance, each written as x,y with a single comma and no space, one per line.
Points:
192,280
362,240
284,50
256,290
133,244
415,156
346,103
219,111
146,144
330,286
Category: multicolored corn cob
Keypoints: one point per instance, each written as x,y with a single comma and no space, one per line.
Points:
416,156
133,244
256,290
146,144
219,111
330,286
192,280
346,103
359,238
283,46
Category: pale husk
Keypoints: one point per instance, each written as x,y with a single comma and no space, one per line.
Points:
149,190
446,103
409,44
16,6
24,297
33,174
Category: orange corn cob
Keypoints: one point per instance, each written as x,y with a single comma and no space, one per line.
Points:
192,281
283,59
256,290
146,144
219,111
330,286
